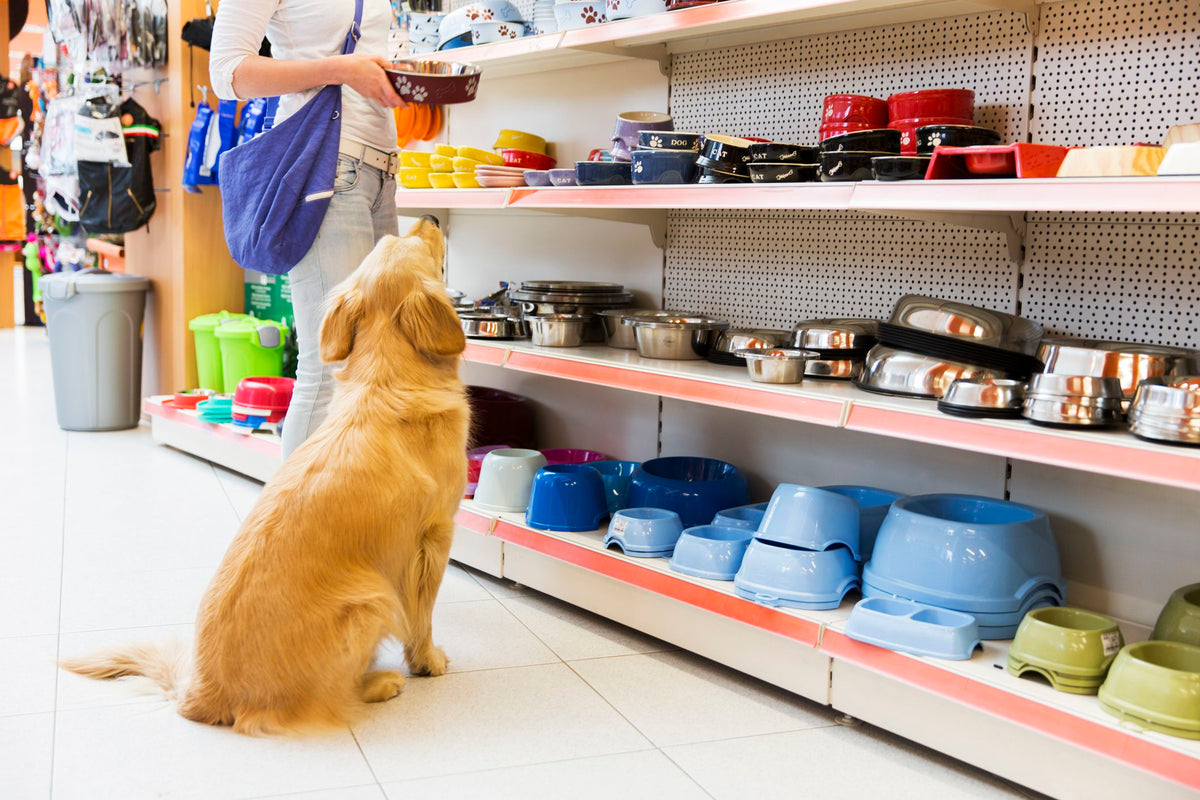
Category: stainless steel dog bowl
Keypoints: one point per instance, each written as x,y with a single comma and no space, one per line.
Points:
618,324
988,397
679,338
558,330
891,371
1073,400
729,341
835,334
1128,362
776,364
963,321
1167,409
842,369
491,326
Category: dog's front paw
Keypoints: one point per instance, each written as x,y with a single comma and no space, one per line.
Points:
432,662
381,685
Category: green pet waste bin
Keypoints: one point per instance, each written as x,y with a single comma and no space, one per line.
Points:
250,348
208,350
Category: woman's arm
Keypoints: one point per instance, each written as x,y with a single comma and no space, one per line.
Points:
237,71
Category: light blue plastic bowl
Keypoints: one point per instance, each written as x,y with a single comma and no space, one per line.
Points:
749,517
873,506
711,551
785,575
644,532
812,518
566,497
913,628
616,476
966,553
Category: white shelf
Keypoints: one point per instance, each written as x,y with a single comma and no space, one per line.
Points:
840,404
256,455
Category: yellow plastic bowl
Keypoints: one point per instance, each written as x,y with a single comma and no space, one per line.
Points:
481,155
520,140
414,158
462,164
414,177
442,163
441,180
466,180
445,150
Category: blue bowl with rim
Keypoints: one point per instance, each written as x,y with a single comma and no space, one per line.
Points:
812,518
616,476
776,574
749,517
711,551
644,532
873,506
695,488
566,497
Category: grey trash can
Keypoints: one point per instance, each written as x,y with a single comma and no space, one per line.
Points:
94,318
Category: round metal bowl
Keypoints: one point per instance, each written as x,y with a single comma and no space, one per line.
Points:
677,338
558,330
891,371
1073,401
1167,410
491,326
988,397
571,287
963,321
776,364
841,369
728,342
618,324
1129,362
835,334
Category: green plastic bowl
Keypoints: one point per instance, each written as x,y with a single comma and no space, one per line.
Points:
1156,685
1069,647
1180,617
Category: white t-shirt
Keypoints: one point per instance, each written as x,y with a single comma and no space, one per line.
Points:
302,30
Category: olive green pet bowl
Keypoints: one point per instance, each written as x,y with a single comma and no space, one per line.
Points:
1156,685
1069,647
1180,617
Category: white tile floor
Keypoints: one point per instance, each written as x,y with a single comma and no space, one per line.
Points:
108,537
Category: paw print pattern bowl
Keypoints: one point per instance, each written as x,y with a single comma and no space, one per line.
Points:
434,82
572,16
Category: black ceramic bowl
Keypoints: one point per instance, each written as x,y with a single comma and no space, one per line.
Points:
930,136
900,168
603,173
724,166
881,140
668,140
848,166
783,173
779,153
729,150
709,175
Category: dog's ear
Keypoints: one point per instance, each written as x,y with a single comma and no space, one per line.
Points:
427,319
341,320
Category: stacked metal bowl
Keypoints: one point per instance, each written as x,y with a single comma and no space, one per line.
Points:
841,346
541,298
1167,410
1073,401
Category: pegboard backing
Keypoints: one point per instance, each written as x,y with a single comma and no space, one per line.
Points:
1118,276
776,89
1116,71
773,269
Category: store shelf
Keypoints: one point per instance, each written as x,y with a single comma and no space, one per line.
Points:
1113,195
719,25
842,405
257,454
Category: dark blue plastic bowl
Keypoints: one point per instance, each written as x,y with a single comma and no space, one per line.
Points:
603,173
566,497
694,488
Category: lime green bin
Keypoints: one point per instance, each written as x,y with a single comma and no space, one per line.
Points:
208,351
250,348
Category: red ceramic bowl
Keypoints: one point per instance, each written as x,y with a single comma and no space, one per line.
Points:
527,159
567,455
268,394
956,103
855,108
908,130
837,129
434,82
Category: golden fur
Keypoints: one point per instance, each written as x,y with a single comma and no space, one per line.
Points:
348,542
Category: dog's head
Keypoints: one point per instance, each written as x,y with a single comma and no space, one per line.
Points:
396,291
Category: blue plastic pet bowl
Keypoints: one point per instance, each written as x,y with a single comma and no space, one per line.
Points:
966,553
644,532
711,551
694,488
804,516
913,628
873,506
991,625
566,497
748,517
785,575
616,476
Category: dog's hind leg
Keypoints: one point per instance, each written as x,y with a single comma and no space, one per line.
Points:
418,594
381,685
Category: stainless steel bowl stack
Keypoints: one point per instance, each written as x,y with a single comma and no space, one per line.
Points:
987,397
888,370
729,342
677,338
776,364
1128,362
571,297
1073,401
483,325
841,345
618,324
1167,410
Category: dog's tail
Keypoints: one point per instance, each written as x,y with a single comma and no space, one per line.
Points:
164,663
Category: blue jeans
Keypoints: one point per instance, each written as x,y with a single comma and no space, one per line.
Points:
362,211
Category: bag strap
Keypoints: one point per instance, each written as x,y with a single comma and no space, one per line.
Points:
355,32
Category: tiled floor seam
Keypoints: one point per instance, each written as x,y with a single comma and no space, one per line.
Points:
690,776
62,564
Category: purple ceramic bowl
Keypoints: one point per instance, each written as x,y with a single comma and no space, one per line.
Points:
537,177
630,123
562,177
570,455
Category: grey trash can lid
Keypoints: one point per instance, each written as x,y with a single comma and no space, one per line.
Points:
61,285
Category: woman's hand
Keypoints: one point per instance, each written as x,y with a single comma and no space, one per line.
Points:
364,74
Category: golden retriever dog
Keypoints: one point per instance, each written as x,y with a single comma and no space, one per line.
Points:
349,540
